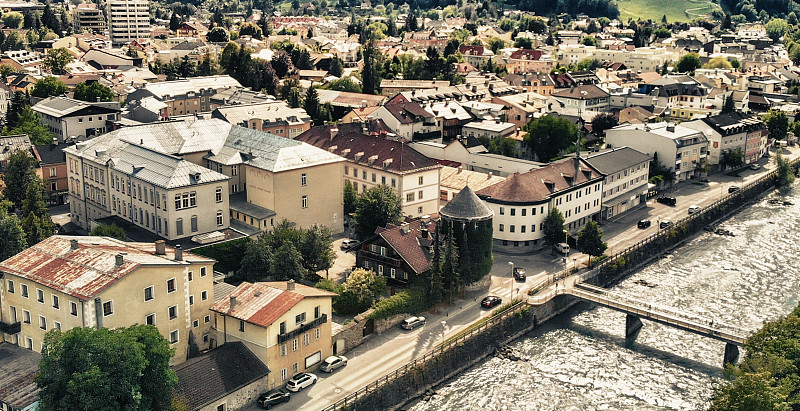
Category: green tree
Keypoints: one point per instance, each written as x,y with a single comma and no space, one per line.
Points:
777,124
375,208
336,67
316,247
451,277
217,35
49,86
104,369
19,173
523,43
728,106
785,174
496,44
35,217
19,101
256,261
12,20
590,239
371,73
110,230
250,29
365,286
30,123
12,236
174,22
553,227
56,60
589,41
311,105
14,41
718,62
688,63
93,91
286,263
350,197
776,28
603,122
343,84
549,135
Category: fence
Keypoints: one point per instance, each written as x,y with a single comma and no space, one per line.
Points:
402,383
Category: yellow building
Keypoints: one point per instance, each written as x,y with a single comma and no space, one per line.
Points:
65,282
286,325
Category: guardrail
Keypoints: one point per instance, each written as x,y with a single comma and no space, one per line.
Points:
428,356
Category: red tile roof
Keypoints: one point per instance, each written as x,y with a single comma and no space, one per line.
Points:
262,304
527,54
540,184
408,242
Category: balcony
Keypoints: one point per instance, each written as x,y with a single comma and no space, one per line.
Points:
10,328
382,258
303,328
426,136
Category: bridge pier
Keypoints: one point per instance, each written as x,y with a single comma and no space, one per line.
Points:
731,354
632,324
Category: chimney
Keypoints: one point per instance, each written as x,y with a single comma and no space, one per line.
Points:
120,259
178,253
73,244
424,232
161,247
290,285
334,131
233,302
55,141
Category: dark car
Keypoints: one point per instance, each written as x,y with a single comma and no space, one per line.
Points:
643,224
671,201
733,189
491,301
519,274
268,399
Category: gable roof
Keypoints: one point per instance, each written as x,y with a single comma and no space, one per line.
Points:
263,303
217,373
577,92
59,106
621,158
407,113
52,153
18,368
527,54
540,184
408,241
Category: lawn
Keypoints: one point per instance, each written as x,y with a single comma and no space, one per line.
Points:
675,10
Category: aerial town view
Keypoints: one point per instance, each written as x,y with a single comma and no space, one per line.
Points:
427,205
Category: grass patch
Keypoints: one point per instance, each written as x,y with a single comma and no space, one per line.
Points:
675,10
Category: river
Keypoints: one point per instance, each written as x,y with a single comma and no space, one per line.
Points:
581,361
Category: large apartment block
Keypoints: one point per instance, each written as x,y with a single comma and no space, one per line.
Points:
65,282
128,20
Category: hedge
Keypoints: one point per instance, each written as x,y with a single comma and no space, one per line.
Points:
404,302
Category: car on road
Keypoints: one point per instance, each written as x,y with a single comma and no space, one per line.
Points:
300,381
519,274
411,323
643,224
755,166
268,399
333,363
671,201
348,244
491,301
694,209
562,248
733,189
666,224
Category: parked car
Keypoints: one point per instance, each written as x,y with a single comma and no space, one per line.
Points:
491,301
733,189
755,166
300,381
562,248
333,363
643,224
268,399
694,209
671,201
666,224
348,244
411,323
519,274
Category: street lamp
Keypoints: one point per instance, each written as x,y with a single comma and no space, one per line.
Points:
512,278
575,262
444,324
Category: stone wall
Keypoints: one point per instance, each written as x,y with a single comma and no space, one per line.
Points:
352,333
241,398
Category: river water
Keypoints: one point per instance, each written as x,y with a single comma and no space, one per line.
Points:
581,360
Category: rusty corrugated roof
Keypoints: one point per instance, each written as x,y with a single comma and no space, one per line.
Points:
258,303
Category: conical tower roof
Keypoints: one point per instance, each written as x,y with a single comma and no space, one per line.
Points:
466,206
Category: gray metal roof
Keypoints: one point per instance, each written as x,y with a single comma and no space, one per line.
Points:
59,106
466,206
618,159
238,202
273,153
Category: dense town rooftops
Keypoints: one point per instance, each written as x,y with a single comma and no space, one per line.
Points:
191,85
617,159
539,185
582,92
682,136
272,113
408,113
83,266
734,123
264,302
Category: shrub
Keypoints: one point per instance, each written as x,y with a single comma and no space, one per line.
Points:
228,254
404,302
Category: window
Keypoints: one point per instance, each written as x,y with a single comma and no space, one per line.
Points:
173,312
173,336
523,211
190,276
171,285
283,374
511,228
502,227
24,290
218,194
202,271
195,323
220,219
294,368
148,293
299,318
316,312
206,319
419,195
304,180
409,197
150,319
42,323
305,339
283,327
73,308
204,295
193,223
55,302
26,316
316,334
394,183
191,300
294,345
11,286
57,325
39,295
29,342
304,202
420,180
283,350
185,200
513,211
241,326
108,308
502,211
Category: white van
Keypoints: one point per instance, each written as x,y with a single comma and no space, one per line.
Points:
562,248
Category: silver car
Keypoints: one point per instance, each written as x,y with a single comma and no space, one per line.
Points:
300,381
333,363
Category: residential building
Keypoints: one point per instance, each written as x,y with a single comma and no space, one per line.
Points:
191,29
12,144
23,60
17,377
90,19
391,87
731,132
476,55
450,117
581,99
286,325
524,107
642,59
375,159
490,129
274,117
626,178
522,201
67,118
680,149
530,61
472,155
681,96
535,83
409,121
65,282
53,172
359,115
128,20
108,59
400,252
187,96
